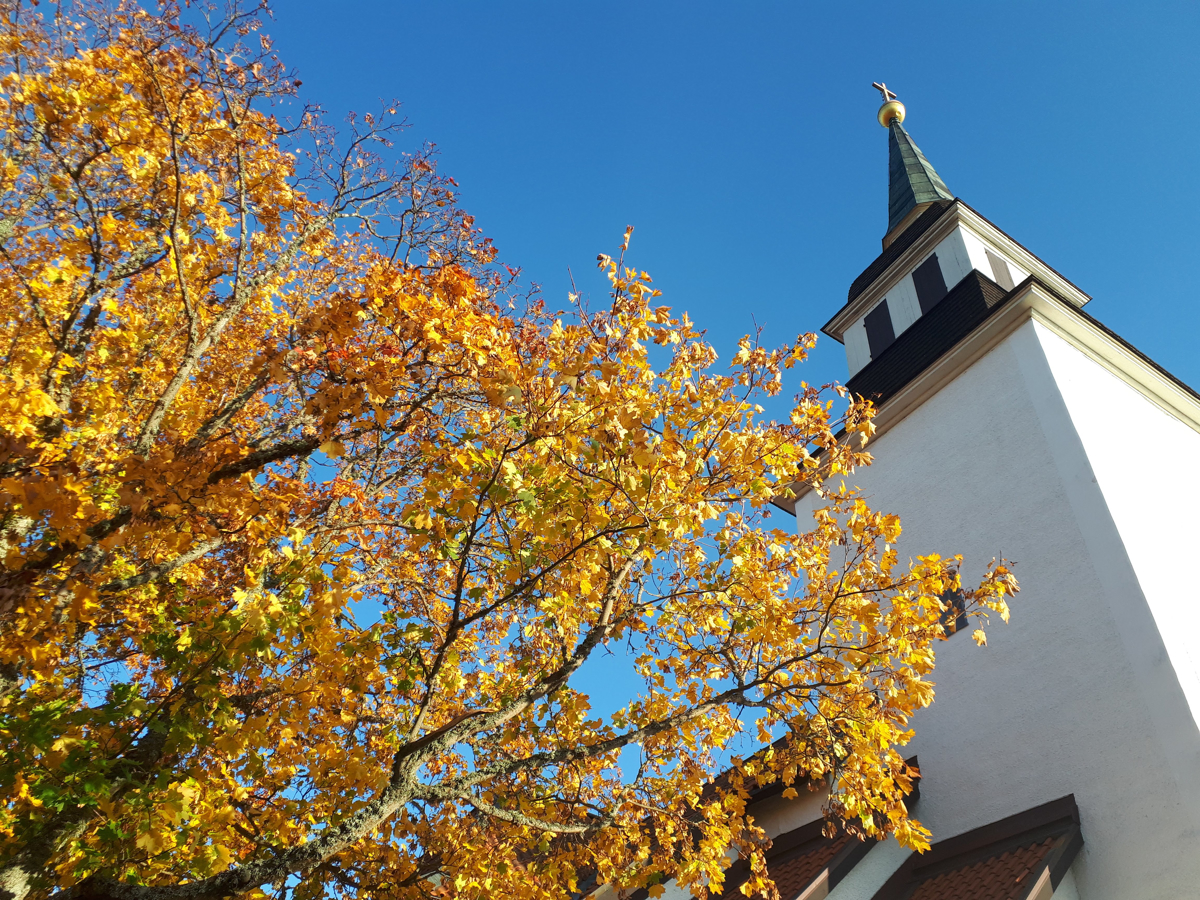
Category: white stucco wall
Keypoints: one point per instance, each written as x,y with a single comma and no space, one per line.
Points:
1158,516
953,258
977,252
1067,889
903,303
1077,695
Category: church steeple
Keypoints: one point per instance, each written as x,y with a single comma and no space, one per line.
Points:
944,269
912,182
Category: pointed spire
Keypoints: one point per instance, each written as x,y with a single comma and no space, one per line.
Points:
912,181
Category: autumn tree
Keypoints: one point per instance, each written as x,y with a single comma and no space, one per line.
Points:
308,529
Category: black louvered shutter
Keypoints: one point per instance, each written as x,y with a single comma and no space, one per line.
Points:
930,284
879,329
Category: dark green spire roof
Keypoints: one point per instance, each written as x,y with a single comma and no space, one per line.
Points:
911,179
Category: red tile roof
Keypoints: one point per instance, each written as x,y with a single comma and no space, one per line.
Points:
793,874
799,858
1000,861
1006,876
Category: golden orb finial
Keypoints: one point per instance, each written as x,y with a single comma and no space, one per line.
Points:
892,108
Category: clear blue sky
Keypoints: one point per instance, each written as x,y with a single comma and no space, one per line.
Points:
740,140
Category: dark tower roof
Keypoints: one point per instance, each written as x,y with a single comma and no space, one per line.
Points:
912,181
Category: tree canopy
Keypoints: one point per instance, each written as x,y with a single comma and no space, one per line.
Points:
310,523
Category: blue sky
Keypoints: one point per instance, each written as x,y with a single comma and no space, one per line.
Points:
740,140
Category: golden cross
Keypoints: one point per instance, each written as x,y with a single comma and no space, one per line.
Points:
883,89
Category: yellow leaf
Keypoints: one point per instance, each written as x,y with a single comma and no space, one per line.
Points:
153,842
222,857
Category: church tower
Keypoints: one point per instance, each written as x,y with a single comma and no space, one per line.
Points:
1062,760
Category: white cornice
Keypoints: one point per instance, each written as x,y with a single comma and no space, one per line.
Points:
957,214
1035,301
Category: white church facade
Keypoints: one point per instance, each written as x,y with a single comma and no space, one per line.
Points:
1063,759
